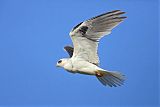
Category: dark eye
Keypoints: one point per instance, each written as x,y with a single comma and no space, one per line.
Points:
59,61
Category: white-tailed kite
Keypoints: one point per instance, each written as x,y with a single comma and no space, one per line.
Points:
85,37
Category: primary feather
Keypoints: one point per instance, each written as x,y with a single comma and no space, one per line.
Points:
86,35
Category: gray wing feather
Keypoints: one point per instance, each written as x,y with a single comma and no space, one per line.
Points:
103,24
86,35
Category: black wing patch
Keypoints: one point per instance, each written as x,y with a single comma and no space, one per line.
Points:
77,26
70,50
83,29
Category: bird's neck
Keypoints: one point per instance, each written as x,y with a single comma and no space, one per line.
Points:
68,65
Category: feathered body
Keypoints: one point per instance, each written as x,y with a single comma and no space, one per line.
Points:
85,37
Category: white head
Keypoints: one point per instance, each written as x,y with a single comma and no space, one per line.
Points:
62,62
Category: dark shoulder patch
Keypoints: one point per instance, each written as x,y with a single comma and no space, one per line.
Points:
77,26
83,29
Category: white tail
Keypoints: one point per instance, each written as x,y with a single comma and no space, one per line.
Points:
110,78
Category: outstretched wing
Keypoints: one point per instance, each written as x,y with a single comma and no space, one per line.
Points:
69,50
86,35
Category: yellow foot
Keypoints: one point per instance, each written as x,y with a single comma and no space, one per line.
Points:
99,74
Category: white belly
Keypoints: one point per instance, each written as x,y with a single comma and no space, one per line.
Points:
84,67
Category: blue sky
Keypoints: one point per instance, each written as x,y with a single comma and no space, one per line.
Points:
34,32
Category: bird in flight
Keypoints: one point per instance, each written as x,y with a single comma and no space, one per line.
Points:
83,55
